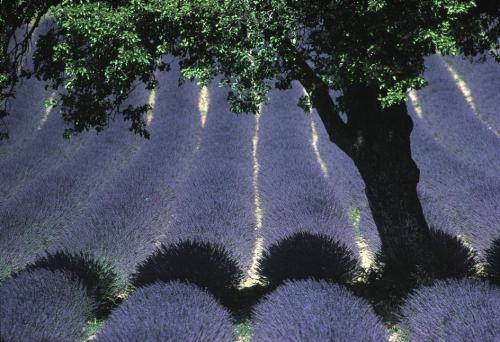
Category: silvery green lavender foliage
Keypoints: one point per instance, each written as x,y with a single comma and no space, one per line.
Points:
493,262
96,276
206,265
215,203
295,195
456,310
168,312
43,306
304,255
133,210
315,311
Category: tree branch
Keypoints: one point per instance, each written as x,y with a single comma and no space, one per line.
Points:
321,100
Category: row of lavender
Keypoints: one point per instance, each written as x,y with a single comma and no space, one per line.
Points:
188,290
458,156
117,213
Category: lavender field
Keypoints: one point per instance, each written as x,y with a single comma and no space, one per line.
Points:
242,183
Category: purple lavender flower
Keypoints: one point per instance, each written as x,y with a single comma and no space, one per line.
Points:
493,261
168,312
455,310
206,265
43,306
96,276
304,255
308,310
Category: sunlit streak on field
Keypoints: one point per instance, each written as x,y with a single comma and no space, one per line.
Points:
412,94
252,272
466,92
151,101
416,105
314,143
363,248
203,103
48,110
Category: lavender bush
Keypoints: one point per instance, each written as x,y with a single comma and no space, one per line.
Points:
483,80
215,202
33,219
304,255
43,306
206,265
452,121
96,276
455,198
46,149
125,220
448,258
493,262
457,310
315,311
295,195
345,180
168,312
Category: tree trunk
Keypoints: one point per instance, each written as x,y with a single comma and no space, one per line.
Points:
378,141
382,155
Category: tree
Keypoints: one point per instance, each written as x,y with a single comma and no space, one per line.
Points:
372,51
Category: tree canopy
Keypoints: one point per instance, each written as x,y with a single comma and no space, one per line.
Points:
97,50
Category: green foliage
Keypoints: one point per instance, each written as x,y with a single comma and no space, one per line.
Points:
101,49
92,328
244,331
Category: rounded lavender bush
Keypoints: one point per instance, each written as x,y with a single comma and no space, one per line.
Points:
97,277
206,265
493,262
171,311
308,310
43,306
448,257
454,310
305,255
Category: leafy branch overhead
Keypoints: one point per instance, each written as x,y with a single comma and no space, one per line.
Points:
99,50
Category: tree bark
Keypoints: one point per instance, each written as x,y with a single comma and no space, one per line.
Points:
378,141
382,154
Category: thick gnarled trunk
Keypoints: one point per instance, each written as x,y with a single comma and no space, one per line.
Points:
382,155
378,141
